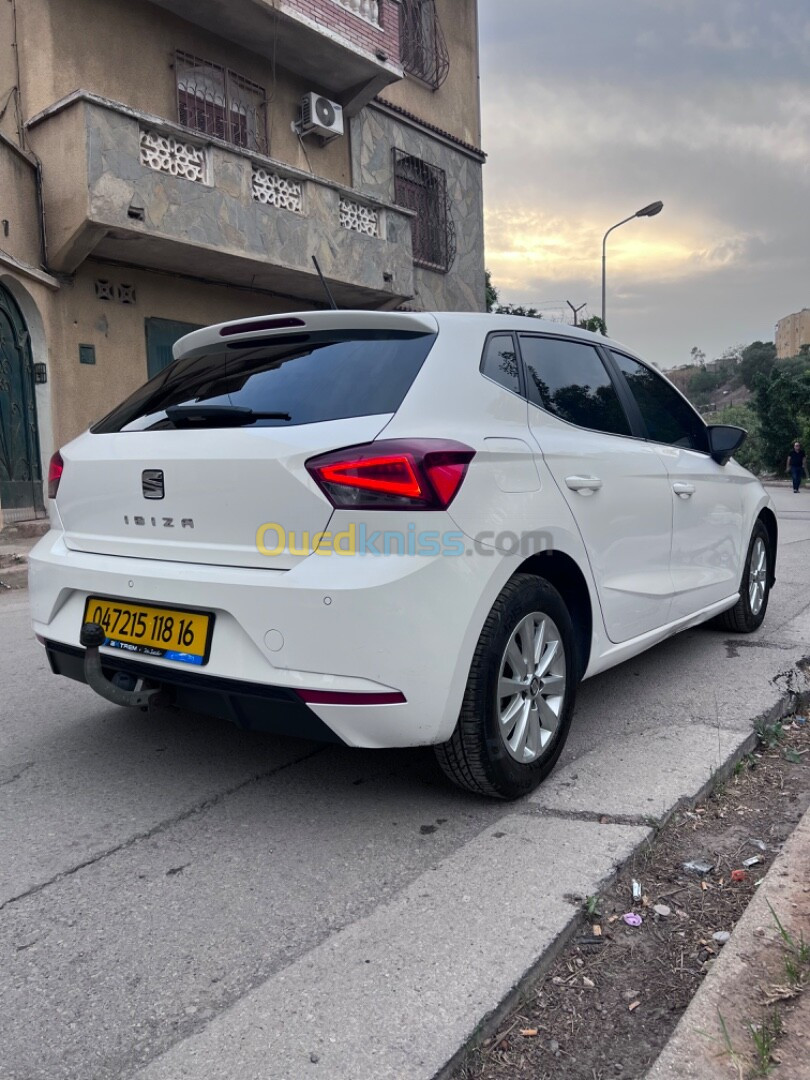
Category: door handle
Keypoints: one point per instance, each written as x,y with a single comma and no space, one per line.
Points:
684,490
585,485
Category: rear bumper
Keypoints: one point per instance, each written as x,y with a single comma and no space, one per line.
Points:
249,705
360,625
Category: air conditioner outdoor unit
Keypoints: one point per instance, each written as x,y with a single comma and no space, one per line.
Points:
321,116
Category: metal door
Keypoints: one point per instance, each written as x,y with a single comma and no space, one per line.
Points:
20,465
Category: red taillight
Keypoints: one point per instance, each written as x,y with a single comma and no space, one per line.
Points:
55,470
406,474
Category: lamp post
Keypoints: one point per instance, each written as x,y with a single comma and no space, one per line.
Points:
645,211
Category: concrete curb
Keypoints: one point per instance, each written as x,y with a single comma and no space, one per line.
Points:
699,1048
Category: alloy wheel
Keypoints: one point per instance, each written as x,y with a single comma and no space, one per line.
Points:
531,687
757,576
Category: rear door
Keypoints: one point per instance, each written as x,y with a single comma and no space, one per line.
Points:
707,499
616,484
222,480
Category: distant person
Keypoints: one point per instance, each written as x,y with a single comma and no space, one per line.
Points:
795,463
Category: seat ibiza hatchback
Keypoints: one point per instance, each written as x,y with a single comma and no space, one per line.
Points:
395,530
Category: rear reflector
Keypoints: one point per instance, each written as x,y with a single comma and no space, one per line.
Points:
338,697
262,324
394,474
55,470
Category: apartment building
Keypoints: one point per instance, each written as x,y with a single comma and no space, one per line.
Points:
173,163
791,333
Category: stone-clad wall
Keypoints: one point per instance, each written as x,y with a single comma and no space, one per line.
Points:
203,213
374,136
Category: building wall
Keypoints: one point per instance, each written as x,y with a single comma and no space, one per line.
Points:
77,317
18,207
375,135
57,62
455,106
8,78
791,333
361,32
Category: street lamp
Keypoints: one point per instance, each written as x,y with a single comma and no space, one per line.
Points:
645,211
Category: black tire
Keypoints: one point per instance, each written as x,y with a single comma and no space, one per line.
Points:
476,757
741,619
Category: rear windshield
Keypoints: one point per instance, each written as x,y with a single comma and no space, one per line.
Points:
301,378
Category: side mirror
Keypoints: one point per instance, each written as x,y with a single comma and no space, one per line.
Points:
724,441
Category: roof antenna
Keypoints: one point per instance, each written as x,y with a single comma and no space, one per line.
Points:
332,303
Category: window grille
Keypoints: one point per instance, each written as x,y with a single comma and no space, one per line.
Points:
424,49
218,102
423,188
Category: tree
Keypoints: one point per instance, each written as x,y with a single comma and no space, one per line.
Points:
782,404
758,358
494,306
518,309
595,325
492,293
750,454
698,356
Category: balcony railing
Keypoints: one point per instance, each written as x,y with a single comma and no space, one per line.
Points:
155,194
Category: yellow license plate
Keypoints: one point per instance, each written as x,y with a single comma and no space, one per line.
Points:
170,633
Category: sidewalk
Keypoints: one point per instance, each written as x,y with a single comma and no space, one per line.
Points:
748,984
16,542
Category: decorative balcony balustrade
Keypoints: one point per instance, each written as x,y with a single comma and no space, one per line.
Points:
358,218
272,189
164,153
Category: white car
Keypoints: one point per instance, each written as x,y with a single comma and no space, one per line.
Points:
395,530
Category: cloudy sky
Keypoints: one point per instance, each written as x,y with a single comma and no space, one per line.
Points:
594,108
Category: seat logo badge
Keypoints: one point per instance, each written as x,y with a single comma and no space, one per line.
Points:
152,483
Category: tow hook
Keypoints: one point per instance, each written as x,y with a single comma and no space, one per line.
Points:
92,638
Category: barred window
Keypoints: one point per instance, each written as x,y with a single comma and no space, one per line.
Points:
424,49
423,188
221,103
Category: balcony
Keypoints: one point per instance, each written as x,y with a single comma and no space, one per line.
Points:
348,49
135,189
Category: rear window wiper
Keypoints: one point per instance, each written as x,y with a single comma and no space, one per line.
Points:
218,415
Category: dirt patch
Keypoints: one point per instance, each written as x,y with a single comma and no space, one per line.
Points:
610,1001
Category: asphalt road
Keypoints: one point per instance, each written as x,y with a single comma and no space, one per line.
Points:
180,899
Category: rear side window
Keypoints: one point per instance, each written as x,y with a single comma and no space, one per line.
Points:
310,377
667,417
500,362
569,379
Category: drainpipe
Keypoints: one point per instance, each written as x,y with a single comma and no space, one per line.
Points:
18,90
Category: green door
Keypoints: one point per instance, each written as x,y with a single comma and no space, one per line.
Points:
161,334
20,465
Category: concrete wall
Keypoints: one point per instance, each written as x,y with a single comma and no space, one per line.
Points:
76,317
8,77
131,61
791,333
455,106
375,135
18,206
